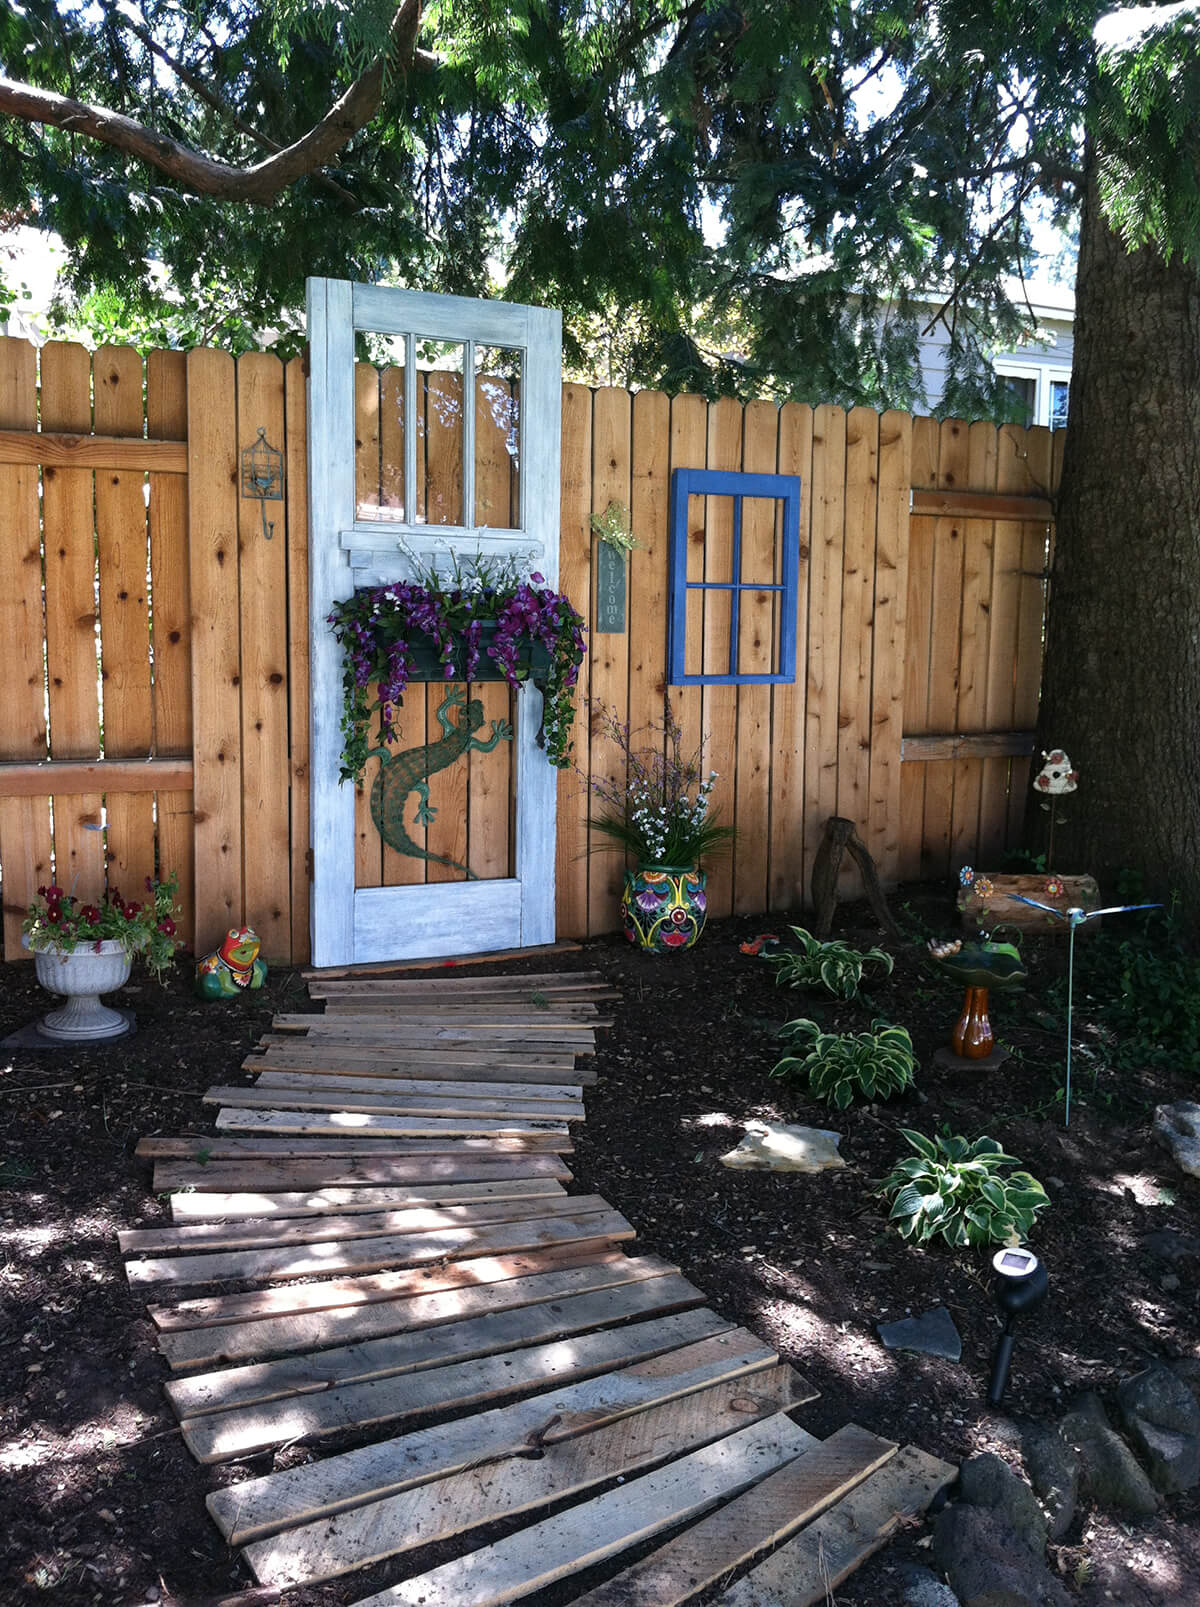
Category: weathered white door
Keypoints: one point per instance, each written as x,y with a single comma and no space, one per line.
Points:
351,545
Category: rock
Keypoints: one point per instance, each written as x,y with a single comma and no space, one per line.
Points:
778,1147
921,1587
1170,1245
1162,1419
1108,1470
987,1563
988,1481
1053,1469
931,1334
1178,1126
1188,1371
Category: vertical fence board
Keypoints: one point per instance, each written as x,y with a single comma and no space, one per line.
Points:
926,441
757,647
124,618
720,703
884,836
296,492
575,581
24,822
824,615
1036,460
66,404
262,562
857,623
786,865
978,542
216,657
609,679
942,703
689,450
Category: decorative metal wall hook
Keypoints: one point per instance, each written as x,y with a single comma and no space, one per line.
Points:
262,477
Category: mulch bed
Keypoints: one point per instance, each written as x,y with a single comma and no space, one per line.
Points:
101,1502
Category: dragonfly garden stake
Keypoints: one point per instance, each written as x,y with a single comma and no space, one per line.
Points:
1075,918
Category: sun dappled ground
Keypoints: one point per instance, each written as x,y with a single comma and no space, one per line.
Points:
104,1504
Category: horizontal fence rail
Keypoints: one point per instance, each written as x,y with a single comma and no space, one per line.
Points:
157,709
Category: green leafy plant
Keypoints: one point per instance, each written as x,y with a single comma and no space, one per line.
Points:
875,1064
58,922
961,1191
834,966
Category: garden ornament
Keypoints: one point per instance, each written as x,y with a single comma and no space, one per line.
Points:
1076,917
1021,1286
839,836
1053,781
978,967
233,968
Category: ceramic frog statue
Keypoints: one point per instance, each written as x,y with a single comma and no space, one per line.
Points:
232,968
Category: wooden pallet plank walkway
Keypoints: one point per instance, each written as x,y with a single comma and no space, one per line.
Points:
389,1189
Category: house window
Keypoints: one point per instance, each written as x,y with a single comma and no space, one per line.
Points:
1041,390
735,565
1060,392
1024,388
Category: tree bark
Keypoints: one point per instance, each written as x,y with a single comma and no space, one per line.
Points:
1121,690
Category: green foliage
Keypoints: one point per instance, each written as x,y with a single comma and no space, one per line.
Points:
1144,986
961,1191
839,1066
834,966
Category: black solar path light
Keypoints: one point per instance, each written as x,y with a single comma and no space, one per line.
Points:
1020,1287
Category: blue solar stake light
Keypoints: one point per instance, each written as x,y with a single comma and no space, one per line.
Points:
1076,917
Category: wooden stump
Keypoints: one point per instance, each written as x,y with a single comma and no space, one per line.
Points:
985,912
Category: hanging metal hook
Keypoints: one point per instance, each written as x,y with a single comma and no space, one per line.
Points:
262,477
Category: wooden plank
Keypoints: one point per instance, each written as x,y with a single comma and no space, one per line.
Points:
982,504
216,658
758,639
824,616
477,957
364,979
883,838
387,1103
393,1400
123,569
465,1339
262,585
417,1218
608,654
208,1146
24,821
788,717
587,1535
307,1331
166,415
363,1061
689,450
973,649
926,442
296,493
557,1092
534,1024
728,1538
324,1258
395,1126
855,715
271,1174
974,745
1036,461
112,776
250,1206
70,579
575,581
464,1501
809,1567
553,1035
372,1472
60,450
946,625
719,704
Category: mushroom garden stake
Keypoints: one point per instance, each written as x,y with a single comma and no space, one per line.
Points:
1076,917
1053,781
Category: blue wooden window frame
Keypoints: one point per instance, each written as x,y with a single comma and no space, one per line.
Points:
783,488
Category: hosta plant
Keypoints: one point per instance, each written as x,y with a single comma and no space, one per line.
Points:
839,1066
834,966
961,1191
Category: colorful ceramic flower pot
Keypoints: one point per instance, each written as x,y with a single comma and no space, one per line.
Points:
663,907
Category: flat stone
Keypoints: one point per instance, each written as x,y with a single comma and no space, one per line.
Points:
1178,1127
1168,1244
1108,1470
32,1036
921,1587
988,1565
1162,1419
931,1334
988,1481
778,1147
1053,1469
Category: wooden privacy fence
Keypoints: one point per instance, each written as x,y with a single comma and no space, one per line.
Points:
156,715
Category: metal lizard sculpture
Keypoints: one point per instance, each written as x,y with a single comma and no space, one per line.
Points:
402,774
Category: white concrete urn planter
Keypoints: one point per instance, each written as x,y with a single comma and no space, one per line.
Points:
81,977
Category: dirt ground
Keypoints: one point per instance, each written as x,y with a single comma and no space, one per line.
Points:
101,1503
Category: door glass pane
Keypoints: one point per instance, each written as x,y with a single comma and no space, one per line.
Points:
379,429
497,437
439,432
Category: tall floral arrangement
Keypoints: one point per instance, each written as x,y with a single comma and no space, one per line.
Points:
538,635
658,807
58,921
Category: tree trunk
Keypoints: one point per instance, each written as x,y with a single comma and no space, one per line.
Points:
1121,690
